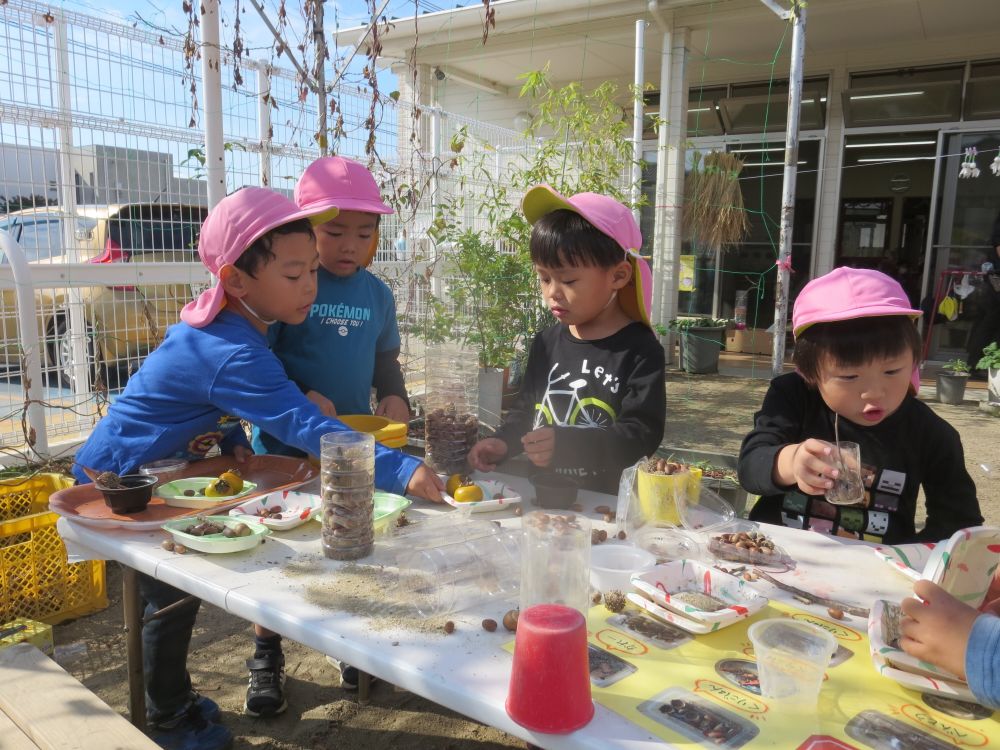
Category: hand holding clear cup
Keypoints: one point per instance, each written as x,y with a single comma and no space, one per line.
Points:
848,486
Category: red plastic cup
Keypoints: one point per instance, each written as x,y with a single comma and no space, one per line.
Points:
550,679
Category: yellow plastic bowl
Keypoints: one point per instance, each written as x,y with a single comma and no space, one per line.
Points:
658,494
390,434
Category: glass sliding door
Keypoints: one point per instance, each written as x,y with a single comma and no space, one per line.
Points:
968,210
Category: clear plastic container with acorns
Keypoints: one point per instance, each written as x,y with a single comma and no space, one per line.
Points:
451,422
347,487
665,509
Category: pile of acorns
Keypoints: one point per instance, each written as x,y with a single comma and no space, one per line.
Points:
207,528
449,437
664,466
274,512
752,541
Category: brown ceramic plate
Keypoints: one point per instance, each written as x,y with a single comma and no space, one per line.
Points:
84,503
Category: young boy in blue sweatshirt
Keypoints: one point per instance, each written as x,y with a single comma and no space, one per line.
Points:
212,370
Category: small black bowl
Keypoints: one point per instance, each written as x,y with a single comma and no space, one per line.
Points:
133,496
554,491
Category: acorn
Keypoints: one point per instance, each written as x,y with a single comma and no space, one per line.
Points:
449,627
510,619
489,625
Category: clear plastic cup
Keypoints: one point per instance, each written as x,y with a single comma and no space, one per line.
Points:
555,560
451,577
612,565
165,470
848,488
792,657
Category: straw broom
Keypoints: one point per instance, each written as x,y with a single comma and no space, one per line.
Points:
714,214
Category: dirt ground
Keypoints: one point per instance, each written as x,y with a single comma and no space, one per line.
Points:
710,412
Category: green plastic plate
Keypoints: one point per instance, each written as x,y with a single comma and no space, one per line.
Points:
173,493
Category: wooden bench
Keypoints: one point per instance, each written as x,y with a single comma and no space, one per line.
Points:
42,707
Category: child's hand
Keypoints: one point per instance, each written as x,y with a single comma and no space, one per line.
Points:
487,453
991,602
394,408
426,484
808,465
241,453
539,445
937,629
325,405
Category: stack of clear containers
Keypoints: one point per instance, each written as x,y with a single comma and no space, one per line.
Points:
451,562
451,424
452,577
347,461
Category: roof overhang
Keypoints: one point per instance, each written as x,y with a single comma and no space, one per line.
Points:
729,39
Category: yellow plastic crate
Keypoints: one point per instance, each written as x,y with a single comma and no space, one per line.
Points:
36,579
22,496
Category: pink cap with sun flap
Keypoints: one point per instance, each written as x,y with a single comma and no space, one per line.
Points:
616,221
230,228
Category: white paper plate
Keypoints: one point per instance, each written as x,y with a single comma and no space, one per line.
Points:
664,582
884,653
924,684
490,487
907,559
296,509
964,564
691,626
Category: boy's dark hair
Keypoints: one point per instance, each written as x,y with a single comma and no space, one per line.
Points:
855,342
260,254
564,238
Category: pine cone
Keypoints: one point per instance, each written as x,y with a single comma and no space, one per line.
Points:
614,600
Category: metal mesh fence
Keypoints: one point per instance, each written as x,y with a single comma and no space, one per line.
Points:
102,186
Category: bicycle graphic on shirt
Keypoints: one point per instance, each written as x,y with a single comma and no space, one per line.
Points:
579,412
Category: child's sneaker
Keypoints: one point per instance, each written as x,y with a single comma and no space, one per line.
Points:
266,689
349,676
190,730
209,709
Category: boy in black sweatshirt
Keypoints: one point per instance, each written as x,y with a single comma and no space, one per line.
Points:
856,353
593,399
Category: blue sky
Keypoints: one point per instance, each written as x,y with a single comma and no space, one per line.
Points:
165,16
339,13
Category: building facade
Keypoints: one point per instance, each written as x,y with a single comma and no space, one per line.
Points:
896,95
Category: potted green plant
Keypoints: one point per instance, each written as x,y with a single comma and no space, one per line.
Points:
497,310
702,339
951,382
490,300
991,363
